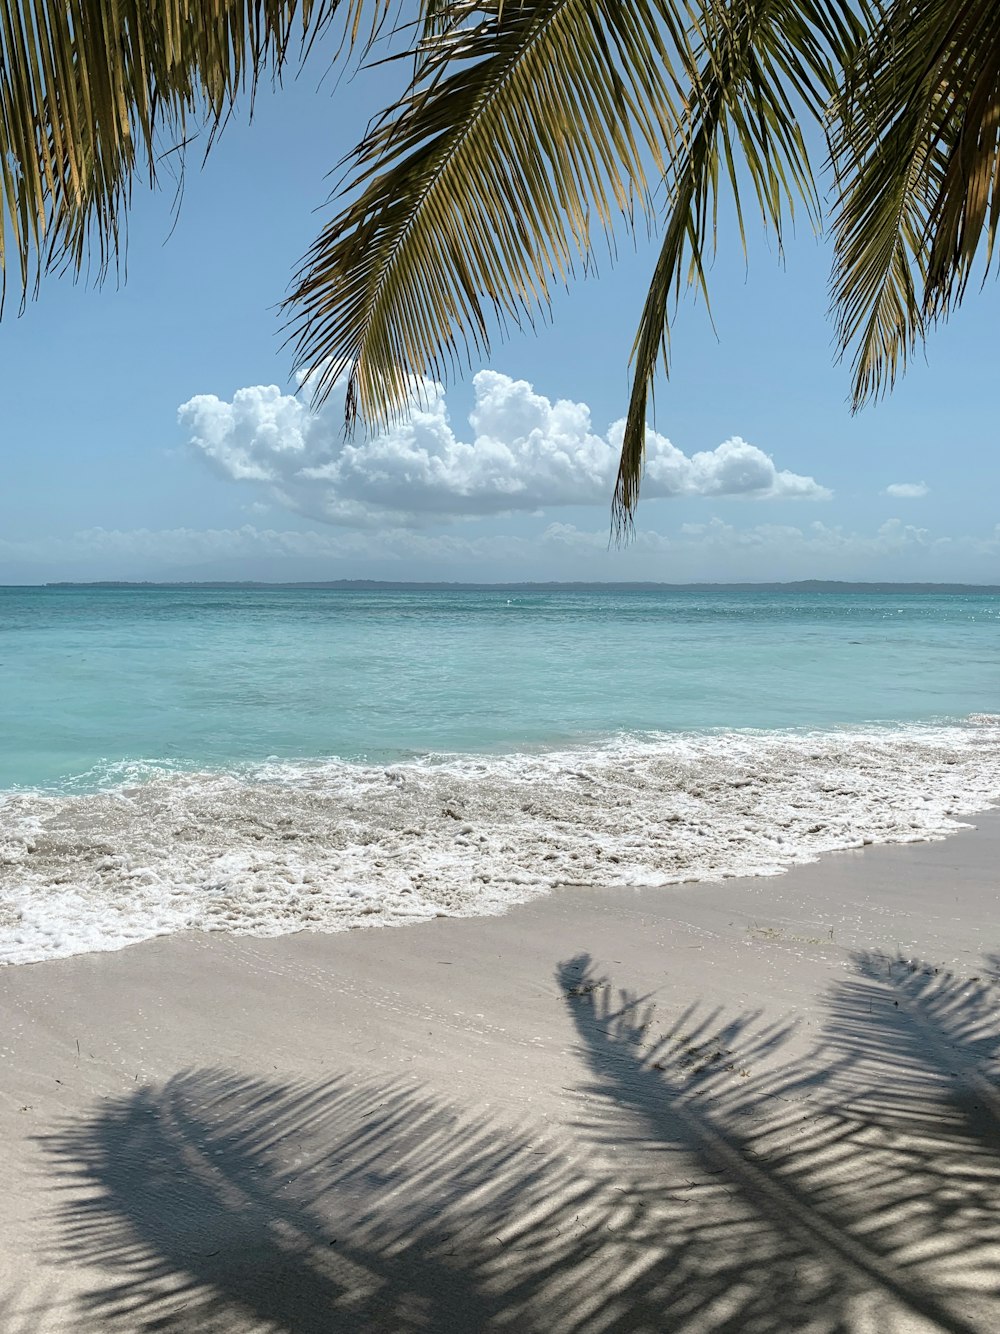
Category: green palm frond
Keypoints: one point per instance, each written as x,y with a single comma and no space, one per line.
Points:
529,127
91,91
761,65
917,151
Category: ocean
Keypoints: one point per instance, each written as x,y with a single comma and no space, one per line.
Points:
271,760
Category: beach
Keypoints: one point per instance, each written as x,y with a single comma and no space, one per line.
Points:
760,1104
439,895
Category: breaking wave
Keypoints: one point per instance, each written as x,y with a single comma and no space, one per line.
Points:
283,847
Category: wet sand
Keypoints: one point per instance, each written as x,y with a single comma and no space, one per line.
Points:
761,1105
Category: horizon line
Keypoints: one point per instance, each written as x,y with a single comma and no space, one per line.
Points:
548,585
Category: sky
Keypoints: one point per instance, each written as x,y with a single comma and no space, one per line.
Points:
151,429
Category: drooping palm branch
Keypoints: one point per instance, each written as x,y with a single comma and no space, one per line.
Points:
760,65
92,92
916,147
527,127
531,128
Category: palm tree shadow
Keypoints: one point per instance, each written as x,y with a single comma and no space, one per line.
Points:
226,1202
859,1188
712,1184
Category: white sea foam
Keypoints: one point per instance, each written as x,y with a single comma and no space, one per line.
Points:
327,846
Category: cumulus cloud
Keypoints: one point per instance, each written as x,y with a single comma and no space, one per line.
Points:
524,453
907,490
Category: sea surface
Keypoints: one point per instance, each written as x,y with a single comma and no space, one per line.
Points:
271,760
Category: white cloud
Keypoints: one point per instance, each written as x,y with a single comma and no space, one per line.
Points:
907,490
525,453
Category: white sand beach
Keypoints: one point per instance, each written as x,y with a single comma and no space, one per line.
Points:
762,1105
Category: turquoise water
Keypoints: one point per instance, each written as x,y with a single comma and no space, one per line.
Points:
268,761
92,677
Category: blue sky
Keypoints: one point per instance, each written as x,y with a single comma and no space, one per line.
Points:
758,471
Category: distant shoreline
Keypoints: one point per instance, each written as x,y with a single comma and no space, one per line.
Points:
548,586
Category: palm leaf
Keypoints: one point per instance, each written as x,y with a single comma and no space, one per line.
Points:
529,128
762,64
918,157
91,91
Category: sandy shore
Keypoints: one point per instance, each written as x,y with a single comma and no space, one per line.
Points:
764,1105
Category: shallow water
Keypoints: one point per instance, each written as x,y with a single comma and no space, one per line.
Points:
267,760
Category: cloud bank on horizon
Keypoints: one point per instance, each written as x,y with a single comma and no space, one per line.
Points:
711,550
526,453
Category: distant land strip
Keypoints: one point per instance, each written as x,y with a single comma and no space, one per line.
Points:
391,586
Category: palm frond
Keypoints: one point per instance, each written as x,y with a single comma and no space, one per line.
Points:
91,92
917,152
761,64
528,129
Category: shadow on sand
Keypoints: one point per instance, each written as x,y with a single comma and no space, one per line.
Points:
709,1184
